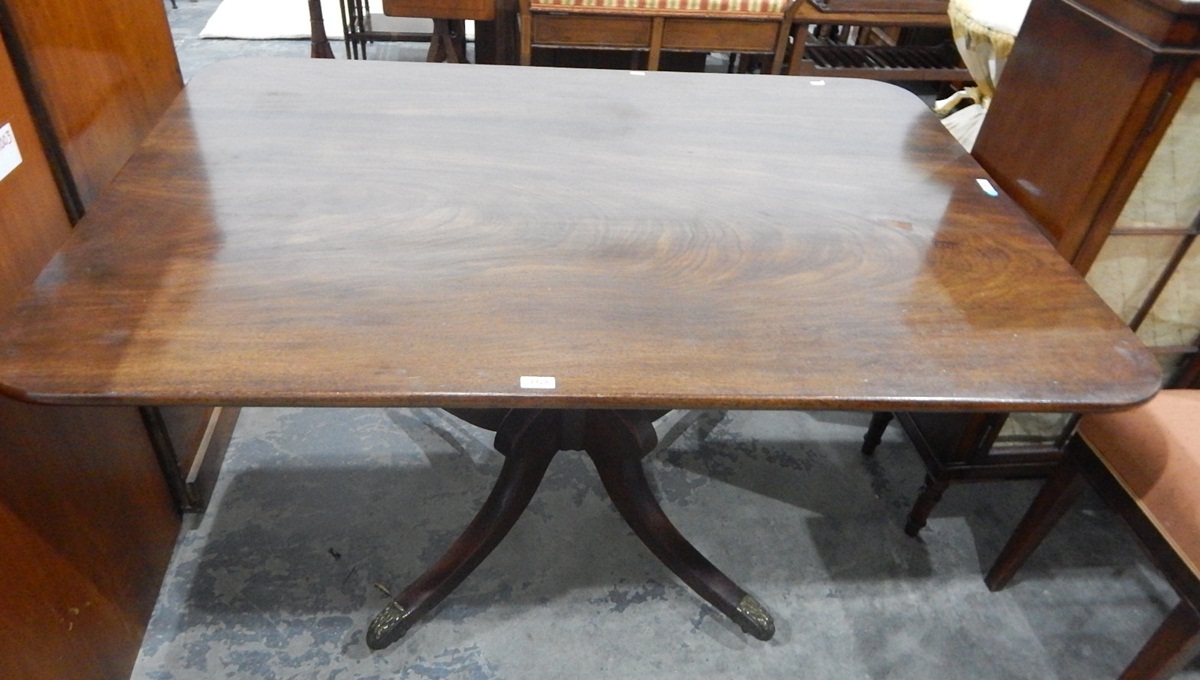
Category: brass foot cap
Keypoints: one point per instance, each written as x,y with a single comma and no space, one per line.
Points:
389,625
754,619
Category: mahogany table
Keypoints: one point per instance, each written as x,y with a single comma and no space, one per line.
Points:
560,255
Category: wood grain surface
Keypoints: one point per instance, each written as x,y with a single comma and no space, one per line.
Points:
34,222
86,524
106,72
332,233
478,10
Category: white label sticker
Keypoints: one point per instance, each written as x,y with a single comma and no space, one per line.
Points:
10,155
537,382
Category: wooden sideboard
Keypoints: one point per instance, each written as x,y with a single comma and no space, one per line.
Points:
103,71
90,498
1095,132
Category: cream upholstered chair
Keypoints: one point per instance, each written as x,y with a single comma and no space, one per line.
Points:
1146,464
654,26
985,32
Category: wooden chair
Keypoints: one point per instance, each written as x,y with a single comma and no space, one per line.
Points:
358,29
652,26
821,46
1145,463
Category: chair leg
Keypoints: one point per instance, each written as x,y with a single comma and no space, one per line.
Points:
1059,492
931,493
525,48
875,430
656,39
781,45
799,40
1173,645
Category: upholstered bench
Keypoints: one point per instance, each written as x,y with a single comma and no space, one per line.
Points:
738,26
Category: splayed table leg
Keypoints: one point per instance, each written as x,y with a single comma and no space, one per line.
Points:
616,441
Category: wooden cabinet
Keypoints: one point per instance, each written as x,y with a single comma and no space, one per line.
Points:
101,73
88,519
33,221
1095,131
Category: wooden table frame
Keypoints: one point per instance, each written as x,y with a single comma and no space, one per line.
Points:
884,62
657,30
560,255
495,27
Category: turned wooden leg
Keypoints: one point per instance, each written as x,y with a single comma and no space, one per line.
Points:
929,496
1060,491
617,441
529,440
319,48
874,435
1173,645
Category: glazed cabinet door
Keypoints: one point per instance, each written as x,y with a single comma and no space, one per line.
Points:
1148,268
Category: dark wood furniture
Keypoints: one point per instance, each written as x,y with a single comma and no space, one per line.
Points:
94,88
126,52
758,27
1145,463
608,245
87,520
358,29
448,42
318,39
495,27
814,54
1091,90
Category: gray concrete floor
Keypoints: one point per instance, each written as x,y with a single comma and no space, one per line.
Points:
315,507
189,18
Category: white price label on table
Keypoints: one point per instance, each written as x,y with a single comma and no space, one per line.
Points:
10,155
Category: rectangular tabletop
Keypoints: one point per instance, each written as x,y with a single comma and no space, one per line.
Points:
308,232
